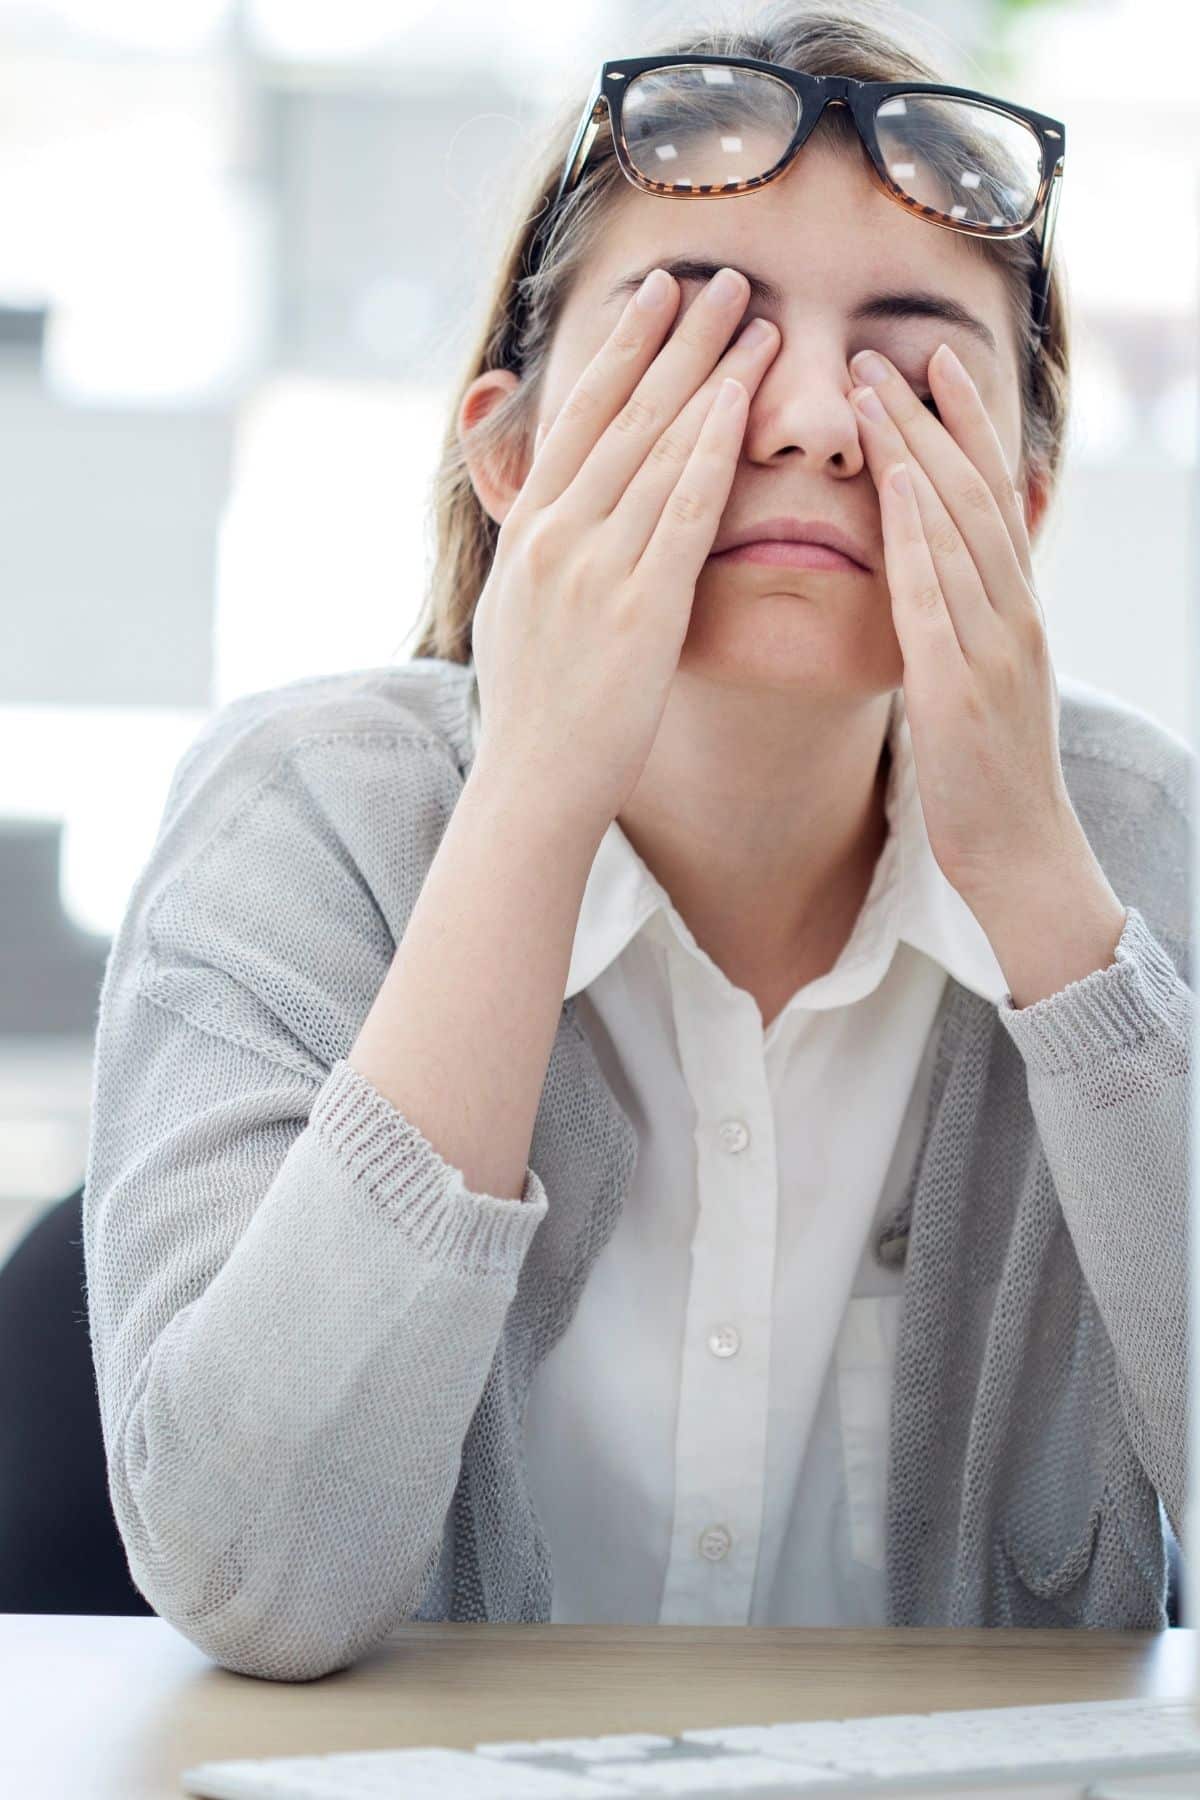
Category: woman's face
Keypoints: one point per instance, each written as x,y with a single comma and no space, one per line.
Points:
831,246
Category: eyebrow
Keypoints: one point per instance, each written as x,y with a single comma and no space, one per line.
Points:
900,303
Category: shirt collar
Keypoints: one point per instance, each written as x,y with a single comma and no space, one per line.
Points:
910,900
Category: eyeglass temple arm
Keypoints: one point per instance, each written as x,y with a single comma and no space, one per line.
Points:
1042,292
589,124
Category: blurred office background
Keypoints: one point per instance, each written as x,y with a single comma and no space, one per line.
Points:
241,243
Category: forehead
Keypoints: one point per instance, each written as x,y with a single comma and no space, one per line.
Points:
822,236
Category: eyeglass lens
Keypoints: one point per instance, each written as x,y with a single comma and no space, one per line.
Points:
706,125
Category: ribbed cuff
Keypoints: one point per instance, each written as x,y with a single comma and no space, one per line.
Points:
404,1175
448,697
1140,995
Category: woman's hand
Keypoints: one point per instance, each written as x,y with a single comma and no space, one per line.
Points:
979,686
578,630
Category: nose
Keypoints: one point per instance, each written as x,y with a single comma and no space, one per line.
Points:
801,408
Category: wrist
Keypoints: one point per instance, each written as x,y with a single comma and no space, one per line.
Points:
534,806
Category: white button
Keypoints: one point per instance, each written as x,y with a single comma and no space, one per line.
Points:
734,1135
714,1542
724,1340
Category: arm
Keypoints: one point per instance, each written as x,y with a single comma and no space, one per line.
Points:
1107,1059
295,1298
471,1003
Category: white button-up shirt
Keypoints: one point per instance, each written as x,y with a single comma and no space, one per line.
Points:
707,1441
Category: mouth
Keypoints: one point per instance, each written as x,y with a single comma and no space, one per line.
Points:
790,542
791,553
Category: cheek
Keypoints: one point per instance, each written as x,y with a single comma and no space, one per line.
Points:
575,345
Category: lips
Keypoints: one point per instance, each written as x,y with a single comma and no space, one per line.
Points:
793,530
791,553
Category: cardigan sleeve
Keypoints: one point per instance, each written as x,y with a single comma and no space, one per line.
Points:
1108,1065
294,1300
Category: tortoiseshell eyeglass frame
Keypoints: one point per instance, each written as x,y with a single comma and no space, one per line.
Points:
815,93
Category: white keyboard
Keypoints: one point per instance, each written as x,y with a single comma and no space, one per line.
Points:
1097,1750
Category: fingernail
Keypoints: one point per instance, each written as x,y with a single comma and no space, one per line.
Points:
949,363
756,333
869,403
727,286
654,290
868,367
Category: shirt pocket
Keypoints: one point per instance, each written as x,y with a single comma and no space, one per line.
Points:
865,1357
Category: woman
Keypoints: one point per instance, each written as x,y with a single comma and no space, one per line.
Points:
820,1259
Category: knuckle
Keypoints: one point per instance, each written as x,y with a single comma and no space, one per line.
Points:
695,332
1005,674
943,539
580,404
977,497
637,415
928,596
628,611
1011,675
1032,630
975,708
627,341
670,449
686,507
542,544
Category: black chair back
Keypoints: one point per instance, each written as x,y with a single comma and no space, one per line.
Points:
60,1550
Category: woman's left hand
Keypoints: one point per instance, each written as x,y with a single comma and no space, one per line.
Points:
979,686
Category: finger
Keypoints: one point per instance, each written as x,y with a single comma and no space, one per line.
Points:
601,390
682,367
688,522
928,640
962,486
963,590
683,364
636,515
970,424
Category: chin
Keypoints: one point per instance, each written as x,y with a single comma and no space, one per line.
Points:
807,628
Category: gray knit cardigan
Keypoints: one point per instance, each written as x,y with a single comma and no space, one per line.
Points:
313,1346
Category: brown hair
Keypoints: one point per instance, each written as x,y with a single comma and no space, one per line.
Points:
824,37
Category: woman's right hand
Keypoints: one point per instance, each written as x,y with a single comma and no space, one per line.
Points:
579,627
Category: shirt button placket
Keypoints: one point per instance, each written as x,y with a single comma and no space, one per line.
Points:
734,1135
714,1542
724,1340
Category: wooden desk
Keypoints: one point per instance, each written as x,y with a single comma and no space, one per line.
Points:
112,1708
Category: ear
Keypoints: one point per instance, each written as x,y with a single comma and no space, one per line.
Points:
1037,496
496,479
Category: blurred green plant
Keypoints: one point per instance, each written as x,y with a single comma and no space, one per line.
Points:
1003,54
